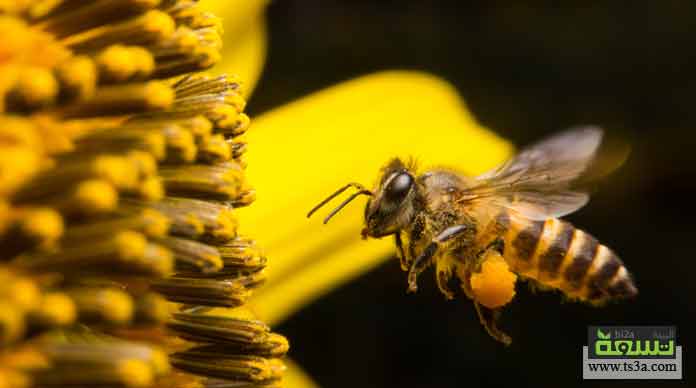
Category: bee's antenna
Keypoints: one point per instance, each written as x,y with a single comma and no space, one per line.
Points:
344,203
339,191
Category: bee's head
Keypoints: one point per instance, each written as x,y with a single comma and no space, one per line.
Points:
390,206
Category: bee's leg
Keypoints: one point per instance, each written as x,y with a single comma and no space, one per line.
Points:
489,320
444,268
414,236
464,275
424,259
420,264
400,248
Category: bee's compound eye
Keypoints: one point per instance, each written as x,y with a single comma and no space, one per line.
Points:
399,186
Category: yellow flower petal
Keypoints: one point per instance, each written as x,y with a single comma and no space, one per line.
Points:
244,47
236,14
295,377
305,150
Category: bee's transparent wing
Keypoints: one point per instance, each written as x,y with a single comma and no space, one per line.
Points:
538,181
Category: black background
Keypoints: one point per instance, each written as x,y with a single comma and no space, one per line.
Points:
524,71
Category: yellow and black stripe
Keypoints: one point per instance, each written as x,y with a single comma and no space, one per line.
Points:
556,254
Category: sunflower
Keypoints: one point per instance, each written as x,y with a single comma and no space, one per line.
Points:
123,188
121,174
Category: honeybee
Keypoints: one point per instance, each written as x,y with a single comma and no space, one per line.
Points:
457,222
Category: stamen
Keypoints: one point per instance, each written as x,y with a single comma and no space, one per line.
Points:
183,40
89,197
151,189
221,181
18,290
242,254
199,126
116,170
214,150
147,28
189,14
126,252
244,368
192,256
238,148
147,221
181,147
78,16
120,140
245,198
119,63
272,345
88,347
55,310
144,163
34,88
77,78
200,220
103,305
120,99
151,309
218,329
12,325
200,58
206,292
127,373
29,229
199,84
13,178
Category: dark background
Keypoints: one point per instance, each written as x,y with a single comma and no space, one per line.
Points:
524,71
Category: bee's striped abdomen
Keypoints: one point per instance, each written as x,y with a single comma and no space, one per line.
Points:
556,254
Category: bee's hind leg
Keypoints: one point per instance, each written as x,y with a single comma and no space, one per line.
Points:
489,320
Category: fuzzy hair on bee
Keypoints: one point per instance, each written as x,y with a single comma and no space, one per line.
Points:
488,230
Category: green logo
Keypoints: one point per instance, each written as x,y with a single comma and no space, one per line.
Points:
632,341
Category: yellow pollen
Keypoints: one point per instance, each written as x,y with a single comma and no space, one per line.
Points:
78,75
36,86
156,223
116,62
158,22
494,286
143,61
135,373
116,305
45,224
151,189
96,196
159,95
236,101
12,177
117,170
58,308
131,245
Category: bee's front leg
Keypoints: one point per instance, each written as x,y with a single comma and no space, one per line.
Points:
420,264
400,251
425,258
